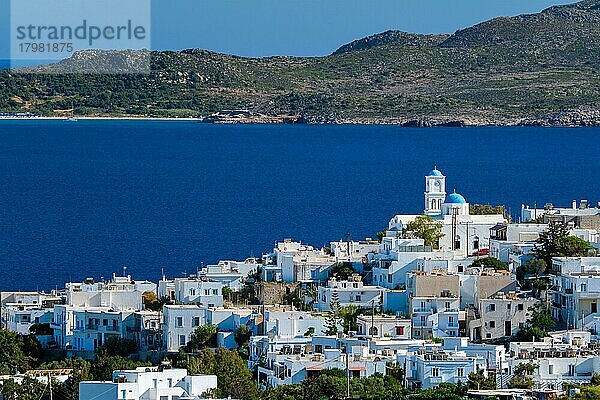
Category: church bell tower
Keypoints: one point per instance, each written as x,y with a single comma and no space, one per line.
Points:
435,192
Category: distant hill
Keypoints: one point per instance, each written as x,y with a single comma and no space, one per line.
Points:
397,38
531,69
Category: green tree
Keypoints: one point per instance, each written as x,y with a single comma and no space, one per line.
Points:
556,242
538,326
533,267
522,376
242,338
381,234
152,302
284,392
227,293
103,366
478,381
341,270
203,336
117,346
81,372
347,315
233,377
13,357
29,389
445,391
490,262
486,209
202,363
426,228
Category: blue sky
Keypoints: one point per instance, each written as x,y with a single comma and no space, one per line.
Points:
304,27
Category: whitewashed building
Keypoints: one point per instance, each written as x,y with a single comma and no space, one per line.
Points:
192,290
351,292
149,383
436,317
179,322
576,288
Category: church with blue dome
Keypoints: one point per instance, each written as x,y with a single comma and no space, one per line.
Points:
462,232
438,202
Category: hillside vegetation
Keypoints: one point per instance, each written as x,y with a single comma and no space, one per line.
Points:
531,69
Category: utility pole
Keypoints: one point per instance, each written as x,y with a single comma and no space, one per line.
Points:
347,372
453,238
372,316
50,384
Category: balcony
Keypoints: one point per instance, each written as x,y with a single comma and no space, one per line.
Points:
426,310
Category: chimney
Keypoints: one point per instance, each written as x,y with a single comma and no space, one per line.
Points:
574,204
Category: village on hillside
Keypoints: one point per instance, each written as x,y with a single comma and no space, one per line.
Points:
457,298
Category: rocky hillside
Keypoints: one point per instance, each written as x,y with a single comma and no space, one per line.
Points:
532,69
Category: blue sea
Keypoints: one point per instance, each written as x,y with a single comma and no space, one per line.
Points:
88,198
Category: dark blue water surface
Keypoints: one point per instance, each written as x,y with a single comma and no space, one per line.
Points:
83,199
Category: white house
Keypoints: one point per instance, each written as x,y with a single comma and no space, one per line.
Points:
564,357
576,288
350,292
436,317
292,323
149,383
378,326
179,321
94,327
120,293
430,368
192,290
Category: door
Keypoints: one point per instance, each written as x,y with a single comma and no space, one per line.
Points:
507,328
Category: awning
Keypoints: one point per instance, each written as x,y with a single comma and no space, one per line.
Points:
357,368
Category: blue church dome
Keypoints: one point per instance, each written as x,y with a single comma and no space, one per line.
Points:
435,172
455,198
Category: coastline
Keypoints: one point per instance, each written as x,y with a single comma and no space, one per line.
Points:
427,122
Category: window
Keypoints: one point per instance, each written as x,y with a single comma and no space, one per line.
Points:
215,291
179,322
508,306
206,292
170,382
447,305
571,369
451,320
550,369
476,243
584,287
492,324
460,371
389,279
123,394
373,331
492,307
182,341
196,321
164,397
435,371
520,307
358,298
399,330
192,292
422,320
457,242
